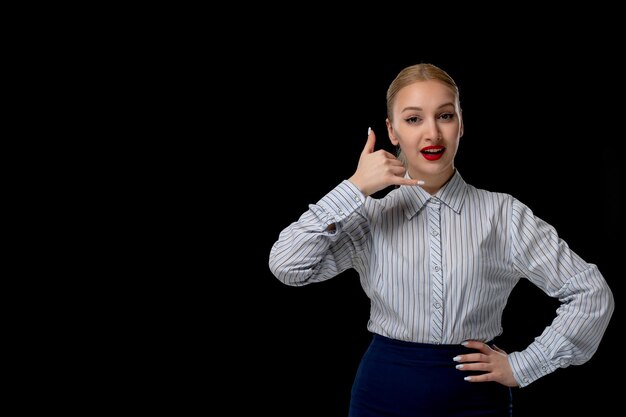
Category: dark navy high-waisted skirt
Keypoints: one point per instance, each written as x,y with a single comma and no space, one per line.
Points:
405,379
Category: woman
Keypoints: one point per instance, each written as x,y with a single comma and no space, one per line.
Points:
438,259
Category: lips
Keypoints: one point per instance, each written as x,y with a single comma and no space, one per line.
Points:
432,153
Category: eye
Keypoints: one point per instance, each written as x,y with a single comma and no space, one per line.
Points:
447,116
413,120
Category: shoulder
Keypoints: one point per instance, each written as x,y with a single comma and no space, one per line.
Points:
381,203
475,194
503,206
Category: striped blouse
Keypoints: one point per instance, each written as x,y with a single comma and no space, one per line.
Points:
439,269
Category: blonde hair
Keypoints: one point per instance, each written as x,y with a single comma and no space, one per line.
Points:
413,74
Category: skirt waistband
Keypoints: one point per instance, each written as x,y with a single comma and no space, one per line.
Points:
413,348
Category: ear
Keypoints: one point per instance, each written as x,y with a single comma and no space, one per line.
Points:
392,136
462,127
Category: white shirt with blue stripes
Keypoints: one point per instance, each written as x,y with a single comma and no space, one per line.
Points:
439,269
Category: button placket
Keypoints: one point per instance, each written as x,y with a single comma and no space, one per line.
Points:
434,225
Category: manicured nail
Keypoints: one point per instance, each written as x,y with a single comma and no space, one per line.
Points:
369,130
468,378
459,367
456,358
464,343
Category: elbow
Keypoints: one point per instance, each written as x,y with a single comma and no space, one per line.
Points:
288,275
277,270
601,305
603,292
604,308
291,267
610,303
598,299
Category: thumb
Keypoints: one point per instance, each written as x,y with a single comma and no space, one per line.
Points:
371,141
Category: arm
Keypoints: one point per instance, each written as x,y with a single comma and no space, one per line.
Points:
323,242
586,300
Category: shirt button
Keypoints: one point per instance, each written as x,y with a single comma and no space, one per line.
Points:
525,380
437,305
434,233
437,268
356,198
341,212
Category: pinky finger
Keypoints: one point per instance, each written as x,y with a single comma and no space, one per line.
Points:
405,181
497,349
478,378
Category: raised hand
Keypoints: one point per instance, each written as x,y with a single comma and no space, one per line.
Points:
493,361
378,169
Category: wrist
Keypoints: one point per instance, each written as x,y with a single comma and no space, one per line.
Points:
358,185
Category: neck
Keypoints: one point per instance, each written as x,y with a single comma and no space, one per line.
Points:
432,182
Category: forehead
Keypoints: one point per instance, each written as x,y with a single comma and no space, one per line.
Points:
425,94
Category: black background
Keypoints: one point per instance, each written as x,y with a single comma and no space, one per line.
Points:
544,130
218,133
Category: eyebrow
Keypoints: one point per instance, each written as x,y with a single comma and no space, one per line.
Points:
420,109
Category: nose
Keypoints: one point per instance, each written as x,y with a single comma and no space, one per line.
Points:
432,130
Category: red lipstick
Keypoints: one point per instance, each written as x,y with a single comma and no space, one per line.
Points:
432,153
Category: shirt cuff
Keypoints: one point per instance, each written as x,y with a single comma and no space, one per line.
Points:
339,203
530,364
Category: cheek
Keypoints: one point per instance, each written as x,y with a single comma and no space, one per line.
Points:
409,139
453,131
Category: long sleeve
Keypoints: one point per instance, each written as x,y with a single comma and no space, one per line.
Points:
586,300
307,251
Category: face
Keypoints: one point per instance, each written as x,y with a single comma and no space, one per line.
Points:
427,125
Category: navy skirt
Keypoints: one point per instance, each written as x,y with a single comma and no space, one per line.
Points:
405,379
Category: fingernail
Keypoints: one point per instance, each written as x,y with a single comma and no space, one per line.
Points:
369,130
468,378
459,367
464,343
456,358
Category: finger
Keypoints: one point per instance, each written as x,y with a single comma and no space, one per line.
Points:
371,142
471,357
397,170
497,349
475,344
474,366
396,180
391,158
399,179
480,378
